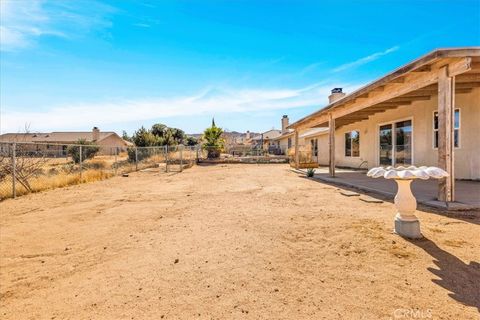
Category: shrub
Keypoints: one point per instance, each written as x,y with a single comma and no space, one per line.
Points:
142,154
89,150
310,172
96,165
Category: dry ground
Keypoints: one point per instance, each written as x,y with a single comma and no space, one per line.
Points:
228,242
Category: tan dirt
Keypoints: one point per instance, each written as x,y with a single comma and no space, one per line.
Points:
229,242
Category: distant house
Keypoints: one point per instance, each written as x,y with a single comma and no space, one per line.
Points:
56,142
286,140
265,140
234,138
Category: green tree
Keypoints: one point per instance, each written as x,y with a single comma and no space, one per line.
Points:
168,136
89,150
159,129
145,138
213,141
125,136
191,141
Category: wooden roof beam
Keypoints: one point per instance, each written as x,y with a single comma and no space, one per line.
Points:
425,68
419,95
463,85
411,98
457,66
468,77
378,89
398,80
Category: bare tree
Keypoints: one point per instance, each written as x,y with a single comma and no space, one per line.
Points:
29,162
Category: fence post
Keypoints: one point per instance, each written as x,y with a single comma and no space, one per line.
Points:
136,159
166,158
181,158
197,158
80,162
116,164
14,170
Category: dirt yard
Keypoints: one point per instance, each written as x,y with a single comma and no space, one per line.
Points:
229,242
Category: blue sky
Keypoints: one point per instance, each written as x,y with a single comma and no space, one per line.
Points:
118,65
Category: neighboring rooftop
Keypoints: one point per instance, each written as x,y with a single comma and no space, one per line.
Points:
270,134
58,136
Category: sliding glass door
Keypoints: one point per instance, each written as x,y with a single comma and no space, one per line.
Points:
386,145
396,143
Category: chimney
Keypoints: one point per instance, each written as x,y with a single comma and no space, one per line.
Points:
95,134
337,94
284,123
247,135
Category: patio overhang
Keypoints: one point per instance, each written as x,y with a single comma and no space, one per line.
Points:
443,72
415,81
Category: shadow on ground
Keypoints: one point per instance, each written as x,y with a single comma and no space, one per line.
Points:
471,216
461,279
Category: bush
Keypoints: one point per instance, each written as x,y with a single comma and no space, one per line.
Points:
142,153
310,172
96,165
89,150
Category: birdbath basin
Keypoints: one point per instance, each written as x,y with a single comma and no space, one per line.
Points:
406,223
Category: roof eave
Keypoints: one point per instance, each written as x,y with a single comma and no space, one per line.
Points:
417,63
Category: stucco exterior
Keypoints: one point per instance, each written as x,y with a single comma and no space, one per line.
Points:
467,155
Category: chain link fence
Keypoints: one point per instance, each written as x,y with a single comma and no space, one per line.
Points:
240,154
33,167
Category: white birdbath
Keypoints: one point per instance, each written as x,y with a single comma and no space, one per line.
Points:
406,223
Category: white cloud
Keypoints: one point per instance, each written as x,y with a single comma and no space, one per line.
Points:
208,102
24,22
366,59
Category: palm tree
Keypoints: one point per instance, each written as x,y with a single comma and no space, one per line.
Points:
213,141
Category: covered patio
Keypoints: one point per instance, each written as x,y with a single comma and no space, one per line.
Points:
437,79
467,192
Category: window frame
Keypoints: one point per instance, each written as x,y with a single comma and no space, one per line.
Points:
459,128
393,122
314,146
351,148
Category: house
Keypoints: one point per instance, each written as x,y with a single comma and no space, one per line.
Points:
234,138
55,143
426,112
311,146
284,141
265,140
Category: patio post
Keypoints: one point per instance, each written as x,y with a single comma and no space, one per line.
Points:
446,127
331,145
297,155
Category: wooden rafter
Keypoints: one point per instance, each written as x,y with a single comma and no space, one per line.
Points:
396,93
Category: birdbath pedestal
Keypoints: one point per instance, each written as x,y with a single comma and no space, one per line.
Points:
406,223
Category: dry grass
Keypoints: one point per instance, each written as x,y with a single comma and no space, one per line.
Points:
62,172
58,173
46,182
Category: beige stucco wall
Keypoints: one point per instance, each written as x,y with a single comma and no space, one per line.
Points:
108,145
467,156
283,142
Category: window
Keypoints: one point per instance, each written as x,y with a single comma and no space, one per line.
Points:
456,132
289,143
352,144
314,145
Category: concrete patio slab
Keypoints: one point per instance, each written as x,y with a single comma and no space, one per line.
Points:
370,199
467,192
348,193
